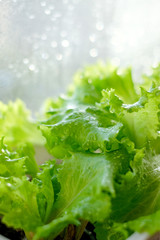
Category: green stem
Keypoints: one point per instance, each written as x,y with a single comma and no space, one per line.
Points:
70,232
29,235
80,229
74,233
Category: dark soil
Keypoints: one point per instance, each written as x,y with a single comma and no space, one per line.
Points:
11,233
89,233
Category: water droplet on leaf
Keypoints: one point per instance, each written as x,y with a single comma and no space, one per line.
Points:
93,52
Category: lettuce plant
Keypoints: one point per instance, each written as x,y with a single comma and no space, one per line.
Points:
104,136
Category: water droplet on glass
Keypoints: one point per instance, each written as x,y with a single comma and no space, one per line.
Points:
10,66
70,7
32,67
93,52
155,64
43,4
36,70
31,16
63,34
115,61
57,15
149,71
44,37
53,18
35,46
53,44
51,7
65,43
47,11
99,26
45,56
92,38
18,75
59,57
25,61
48,29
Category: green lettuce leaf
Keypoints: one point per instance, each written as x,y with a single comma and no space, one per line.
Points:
136,117
81,130
86,184
149,224
142,121
17,163
17,125
111,231
137,201
26,204
21,210
106,137
140,194
27,151
154,76
89,83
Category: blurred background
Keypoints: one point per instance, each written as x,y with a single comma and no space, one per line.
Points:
43,42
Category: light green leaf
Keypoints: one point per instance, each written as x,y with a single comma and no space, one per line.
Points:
17,125
17,163
149,224
110,231
55,227
89,83
87,184
21,210
81,130
141,119
26,204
